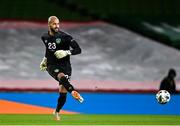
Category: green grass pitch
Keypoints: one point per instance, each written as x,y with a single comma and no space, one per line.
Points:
83,119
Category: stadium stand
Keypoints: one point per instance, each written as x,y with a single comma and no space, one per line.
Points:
113,58
130,56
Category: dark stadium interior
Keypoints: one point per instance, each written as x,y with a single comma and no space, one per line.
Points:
128,46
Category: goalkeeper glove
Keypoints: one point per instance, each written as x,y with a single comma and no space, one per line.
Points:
62,53
43,64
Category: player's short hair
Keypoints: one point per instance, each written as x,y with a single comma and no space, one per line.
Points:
52,18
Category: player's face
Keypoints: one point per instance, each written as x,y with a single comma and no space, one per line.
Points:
54,25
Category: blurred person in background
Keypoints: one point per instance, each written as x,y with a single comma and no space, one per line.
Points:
59,47
168,83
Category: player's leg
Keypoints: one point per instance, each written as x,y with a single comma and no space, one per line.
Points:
57,72
63,79
62,98
61,101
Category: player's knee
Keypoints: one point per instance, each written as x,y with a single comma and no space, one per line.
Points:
63,80
62,89
60,75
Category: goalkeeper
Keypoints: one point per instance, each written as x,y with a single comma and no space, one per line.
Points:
59,47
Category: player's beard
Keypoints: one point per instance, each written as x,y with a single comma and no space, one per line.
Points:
54,30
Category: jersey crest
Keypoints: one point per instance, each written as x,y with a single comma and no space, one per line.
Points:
58,40
56,70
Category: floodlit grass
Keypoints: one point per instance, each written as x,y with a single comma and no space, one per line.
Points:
82,119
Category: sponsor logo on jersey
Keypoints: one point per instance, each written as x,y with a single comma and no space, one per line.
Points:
58,40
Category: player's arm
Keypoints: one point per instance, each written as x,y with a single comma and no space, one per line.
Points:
43,64
74,51
75,47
